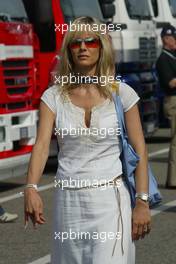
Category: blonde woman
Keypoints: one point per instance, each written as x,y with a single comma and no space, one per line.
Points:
92,220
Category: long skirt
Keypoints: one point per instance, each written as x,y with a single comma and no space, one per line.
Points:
92,226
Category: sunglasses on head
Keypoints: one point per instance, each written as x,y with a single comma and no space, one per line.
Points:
89,42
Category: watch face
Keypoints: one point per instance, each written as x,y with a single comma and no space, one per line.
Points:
143,198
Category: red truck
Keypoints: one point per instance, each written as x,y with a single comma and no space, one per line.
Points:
17,87
28,45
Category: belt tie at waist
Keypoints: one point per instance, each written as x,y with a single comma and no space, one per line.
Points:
118,221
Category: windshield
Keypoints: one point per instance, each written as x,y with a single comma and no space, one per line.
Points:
155,7
138,9
172,4
75,8
12,11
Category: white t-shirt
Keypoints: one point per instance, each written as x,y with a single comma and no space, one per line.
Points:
88,155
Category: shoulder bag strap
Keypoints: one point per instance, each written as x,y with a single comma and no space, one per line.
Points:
120,112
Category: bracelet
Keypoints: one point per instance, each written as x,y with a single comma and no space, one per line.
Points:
31,185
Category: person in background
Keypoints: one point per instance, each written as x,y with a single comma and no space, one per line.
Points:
166,69
6,217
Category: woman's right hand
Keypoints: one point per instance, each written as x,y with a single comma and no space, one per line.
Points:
33,207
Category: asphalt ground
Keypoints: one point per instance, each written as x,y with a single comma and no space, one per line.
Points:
19,246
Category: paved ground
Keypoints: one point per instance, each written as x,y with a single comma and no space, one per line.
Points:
33,246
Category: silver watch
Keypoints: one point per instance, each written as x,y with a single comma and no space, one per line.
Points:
143,196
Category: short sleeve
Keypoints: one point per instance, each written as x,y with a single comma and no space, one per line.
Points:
128,96
49,98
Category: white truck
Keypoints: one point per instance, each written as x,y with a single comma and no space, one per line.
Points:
164,12
136,51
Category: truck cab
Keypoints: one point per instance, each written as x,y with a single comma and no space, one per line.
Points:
135,49
17,85
164,12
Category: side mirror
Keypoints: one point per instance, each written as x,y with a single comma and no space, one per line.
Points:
107,8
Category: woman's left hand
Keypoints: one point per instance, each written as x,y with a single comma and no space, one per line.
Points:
141,220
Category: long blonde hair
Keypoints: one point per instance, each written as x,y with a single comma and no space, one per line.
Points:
105,65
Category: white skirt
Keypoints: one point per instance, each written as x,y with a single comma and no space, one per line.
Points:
86,226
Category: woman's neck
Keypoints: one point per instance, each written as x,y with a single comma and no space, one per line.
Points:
85,72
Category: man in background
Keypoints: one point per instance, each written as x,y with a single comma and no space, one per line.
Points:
166,68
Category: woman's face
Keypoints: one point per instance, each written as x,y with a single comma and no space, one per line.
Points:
85,51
